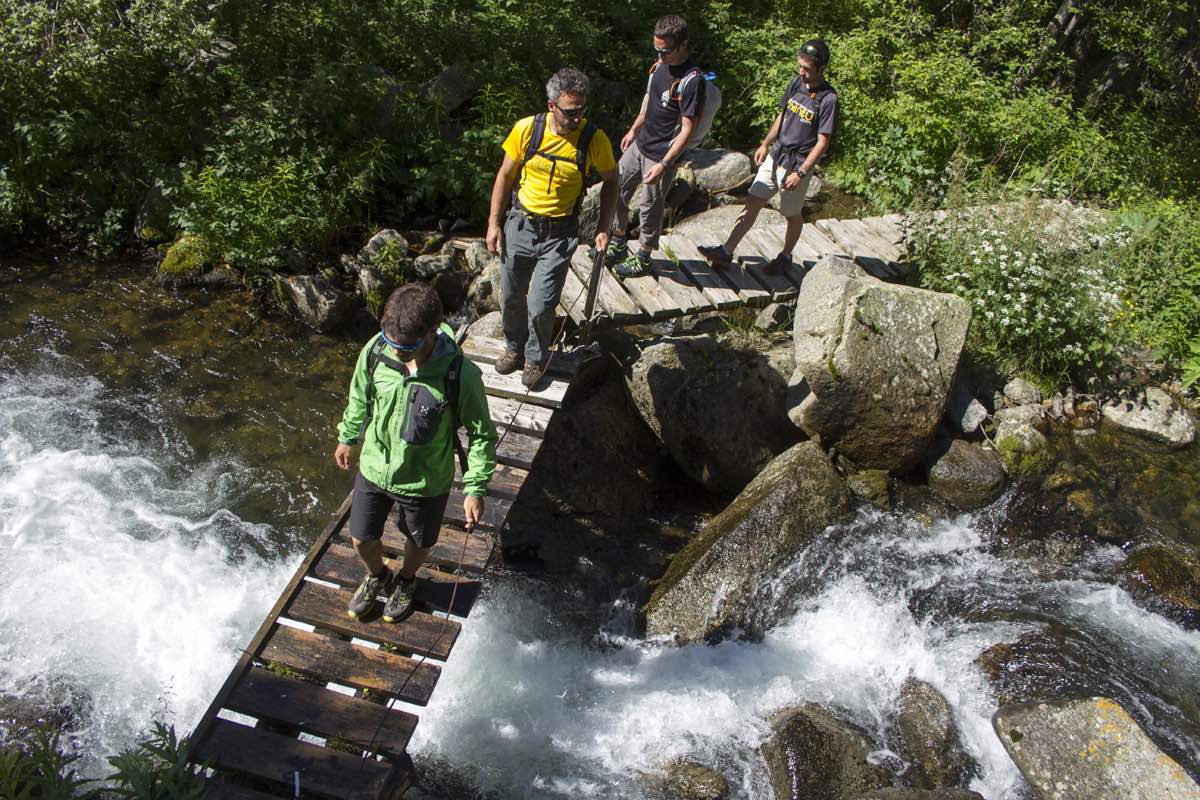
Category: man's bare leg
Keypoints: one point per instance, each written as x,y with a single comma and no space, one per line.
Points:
414,557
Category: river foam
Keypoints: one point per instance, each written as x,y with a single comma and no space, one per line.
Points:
126,584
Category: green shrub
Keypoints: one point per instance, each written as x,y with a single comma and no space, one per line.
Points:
41,770
1042,300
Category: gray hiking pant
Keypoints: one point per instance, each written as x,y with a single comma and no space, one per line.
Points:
633,166
537,255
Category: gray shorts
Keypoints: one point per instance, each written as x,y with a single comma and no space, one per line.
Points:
769,180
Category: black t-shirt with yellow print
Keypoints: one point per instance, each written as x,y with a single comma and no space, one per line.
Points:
806,112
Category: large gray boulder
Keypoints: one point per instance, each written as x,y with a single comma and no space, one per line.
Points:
874,363
1089,749
967,476
719,410
318,303
719,171
813,755
1153,415
711,581
932,736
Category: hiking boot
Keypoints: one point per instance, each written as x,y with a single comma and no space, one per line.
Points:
364,596
778,264
617,250
635,264
400,602
532,374
509,362
717,255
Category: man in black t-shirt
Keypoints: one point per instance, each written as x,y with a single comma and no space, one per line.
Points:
801,134
658,136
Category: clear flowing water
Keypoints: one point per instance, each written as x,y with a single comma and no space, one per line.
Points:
164,464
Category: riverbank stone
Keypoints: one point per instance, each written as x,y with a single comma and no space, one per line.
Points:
686,780
185,262
963,411
874,364
719,171
931,736
716,405
1023,448
873,486
1153,414
1022,393
710,583
921,794
968,476
317,302
813,755
1089,748
1169,575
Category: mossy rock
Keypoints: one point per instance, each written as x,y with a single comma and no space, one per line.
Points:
186,260
1169,574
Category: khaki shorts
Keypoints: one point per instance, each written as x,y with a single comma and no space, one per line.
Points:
768,181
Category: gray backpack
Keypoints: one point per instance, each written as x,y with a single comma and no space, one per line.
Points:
709,105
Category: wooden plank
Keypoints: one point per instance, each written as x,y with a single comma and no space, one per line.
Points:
323,712
820,243
749,290
701,273
420,632
525,418
277,758
486,349
611,297
572,299
215,789
335,524
329,659
517,449
435,588
549,393
762,248
771,238
474,549
506,481
495,509
836,231
649,295
677,285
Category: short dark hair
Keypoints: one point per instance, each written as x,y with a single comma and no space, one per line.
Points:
567,80
673,27
412,310
817,50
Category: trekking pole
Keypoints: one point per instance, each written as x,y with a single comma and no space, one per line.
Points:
593,288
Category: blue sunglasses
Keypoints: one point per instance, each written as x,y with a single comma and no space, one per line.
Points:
404,348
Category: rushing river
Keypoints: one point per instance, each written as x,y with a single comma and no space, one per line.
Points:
164,464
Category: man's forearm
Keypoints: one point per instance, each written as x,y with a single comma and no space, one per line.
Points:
814,155
686,125
773,134
501,189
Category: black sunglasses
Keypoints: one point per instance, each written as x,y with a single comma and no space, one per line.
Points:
814,53
666,51
573,113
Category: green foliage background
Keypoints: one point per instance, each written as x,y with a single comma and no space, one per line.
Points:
280,125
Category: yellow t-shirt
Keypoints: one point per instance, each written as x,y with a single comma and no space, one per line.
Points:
552,193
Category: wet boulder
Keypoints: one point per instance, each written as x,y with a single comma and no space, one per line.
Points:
687,780
1153,414
921,794
1168,575
967,476
718,408
711,582
932,737
186,262
874,363
719,171
1023,447
873,486
1089,748
317,302
813,755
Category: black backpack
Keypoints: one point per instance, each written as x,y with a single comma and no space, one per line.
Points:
581,150
379,354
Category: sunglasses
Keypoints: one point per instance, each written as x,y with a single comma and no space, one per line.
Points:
573,113
404,348
666,51
814,53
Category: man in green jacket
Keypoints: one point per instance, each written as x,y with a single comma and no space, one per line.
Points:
408,419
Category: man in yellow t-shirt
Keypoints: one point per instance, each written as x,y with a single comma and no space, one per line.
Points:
547,156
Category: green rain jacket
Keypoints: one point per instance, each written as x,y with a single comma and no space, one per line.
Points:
408,447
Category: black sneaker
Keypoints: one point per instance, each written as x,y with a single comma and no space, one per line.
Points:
364,596
717,255
400,602
778,264
636,264
509,362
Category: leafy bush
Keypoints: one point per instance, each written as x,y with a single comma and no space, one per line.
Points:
1043,302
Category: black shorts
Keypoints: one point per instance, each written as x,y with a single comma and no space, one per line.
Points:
418,518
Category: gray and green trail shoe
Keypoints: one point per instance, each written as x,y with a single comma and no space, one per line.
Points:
400,602
616,251
364,596
636,264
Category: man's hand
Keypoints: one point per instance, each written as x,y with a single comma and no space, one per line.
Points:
760,155
791,180
627,140
653,174
601,241
341,456
472,510
495,238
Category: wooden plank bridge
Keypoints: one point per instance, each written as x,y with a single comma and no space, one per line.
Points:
683,283
322,705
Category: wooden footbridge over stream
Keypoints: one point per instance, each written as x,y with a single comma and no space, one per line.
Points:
322,705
